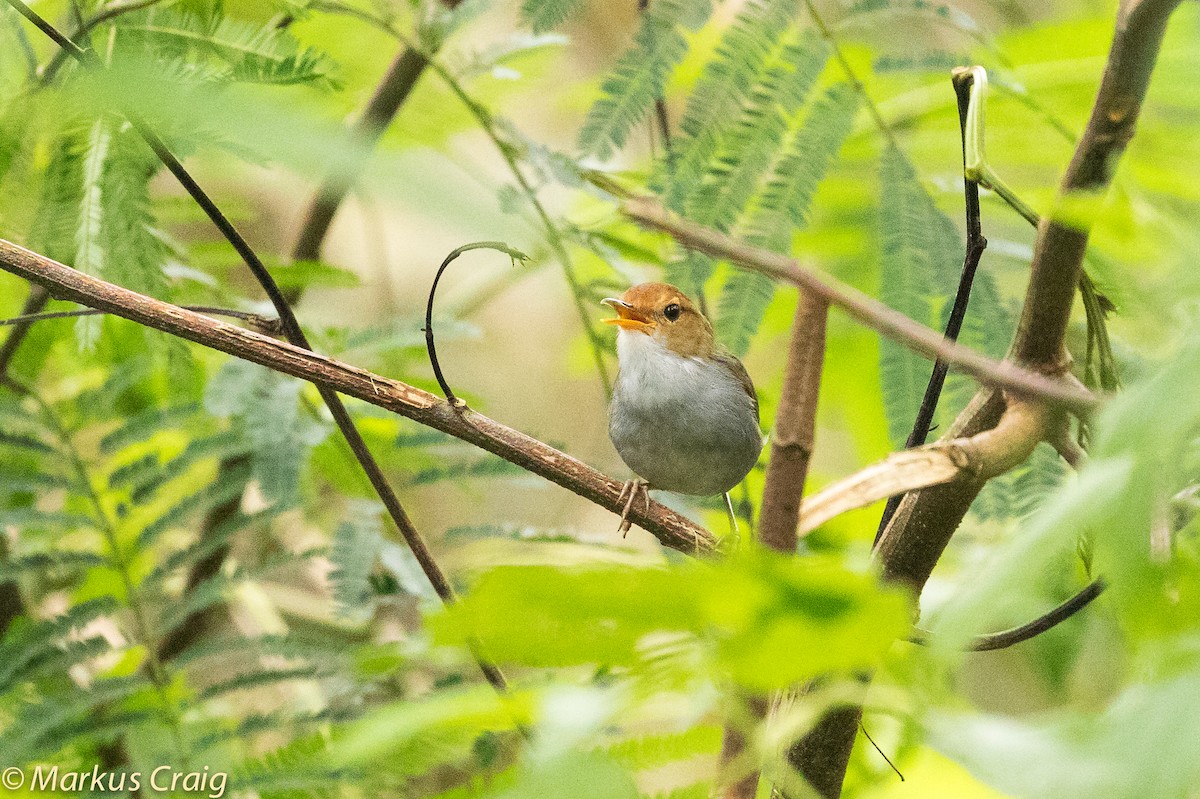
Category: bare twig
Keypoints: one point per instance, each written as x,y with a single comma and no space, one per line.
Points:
1016,635
672,529
514,254
109,12
976,244
864,308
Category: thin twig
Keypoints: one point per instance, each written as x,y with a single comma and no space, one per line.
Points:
672,529
35,302
291,329
514,254
851,75
104,15
976,244
864,308
1016,635
553,237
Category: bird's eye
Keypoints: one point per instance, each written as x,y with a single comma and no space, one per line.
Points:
672,311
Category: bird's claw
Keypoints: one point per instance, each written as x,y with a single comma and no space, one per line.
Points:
632,488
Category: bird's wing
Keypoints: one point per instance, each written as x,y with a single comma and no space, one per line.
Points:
734,365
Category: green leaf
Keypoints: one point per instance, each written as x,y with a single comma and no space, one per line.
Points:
767,621
265,406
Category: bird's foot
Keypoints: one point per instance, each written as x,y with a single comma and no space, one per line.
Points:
632,488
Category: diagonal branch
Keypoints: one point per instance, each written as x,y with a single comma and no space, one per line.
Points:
979,457
864,308
672,529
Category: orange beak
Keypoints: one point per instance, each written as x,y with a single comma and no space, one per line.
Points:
628,317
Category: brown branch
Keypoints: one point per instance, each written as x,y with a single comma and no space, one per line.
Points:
291,329
917,535
787,470
864,308
795,426
672,529
979,457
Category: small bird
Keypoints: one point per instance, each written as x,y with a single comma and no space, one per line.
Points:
684,415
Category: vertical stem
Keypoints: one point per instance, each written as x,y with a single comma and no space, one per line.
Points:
976,244
787,471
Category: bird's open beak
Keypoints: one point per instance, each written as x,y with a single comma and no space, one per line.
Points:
628,317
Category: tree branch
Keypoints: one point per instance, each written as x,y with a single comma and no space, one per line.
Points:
980,457
291,328
864,308
787,470
917,535
391,92
672,529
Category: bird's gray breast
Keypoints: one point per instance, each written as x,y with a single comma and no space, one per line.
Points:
683,424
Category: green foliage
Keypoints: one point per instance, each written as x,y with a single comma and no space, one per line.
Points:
920,257
266,411
356,545
637,80
198,579
544,15
616,616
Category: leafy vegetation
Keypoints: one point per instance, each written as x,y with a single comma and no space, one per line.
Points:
194,571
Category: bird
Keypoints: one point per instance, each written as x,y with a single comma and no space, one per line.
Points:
684,413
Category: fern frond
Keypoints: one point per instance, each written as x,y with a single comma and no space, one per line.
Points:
744,299
12,568
229,485
355,548
782,207
25,649
130,227
640,75
257,53
731,174
917,243
257,678
143,425
483,467
544,15
787,198
265,407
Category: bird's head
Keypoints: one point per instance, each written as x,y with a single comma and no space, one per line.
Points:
664,313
